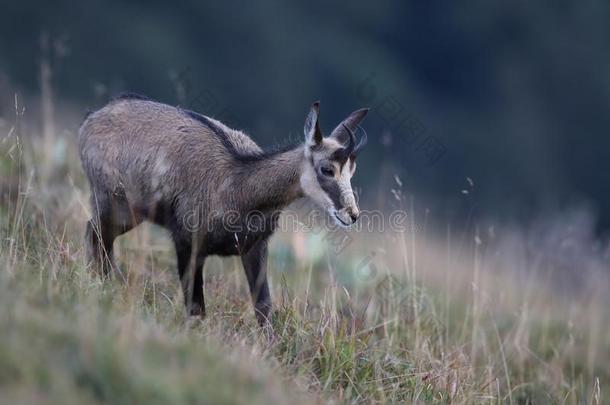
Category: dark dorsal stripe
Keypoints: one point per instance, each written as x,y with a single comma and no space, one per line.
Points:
207,123
219,132
226,142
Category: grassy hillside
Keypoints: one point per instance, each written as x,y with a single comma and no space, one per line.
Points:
423,321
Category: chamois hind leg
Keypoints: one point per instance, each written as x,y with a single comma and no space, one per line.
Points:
190,270
255,265
110,219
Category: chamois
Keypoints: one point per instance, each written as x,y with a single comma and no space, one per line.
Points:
190,173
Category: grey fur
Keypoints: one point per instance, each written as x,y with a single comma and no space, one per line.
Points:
149,161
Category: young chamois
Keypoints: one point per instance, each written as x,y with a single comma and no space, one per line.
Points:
203,181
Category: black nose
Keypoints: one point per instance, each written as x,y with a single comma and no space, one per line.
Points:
353,216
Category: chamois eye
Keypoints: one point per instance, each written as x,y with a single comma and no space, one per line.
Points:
327,171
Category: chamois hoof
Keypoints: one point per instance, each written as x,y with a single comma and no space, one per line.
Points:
193,322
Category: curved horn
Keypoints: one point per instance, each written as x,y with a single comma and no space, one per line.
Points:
352,141
342,154
352,121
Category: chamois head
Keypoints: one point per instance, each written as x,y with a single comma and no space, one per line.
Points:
330,163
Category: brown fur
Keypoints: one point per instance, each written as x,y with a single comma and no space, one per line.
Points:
150,161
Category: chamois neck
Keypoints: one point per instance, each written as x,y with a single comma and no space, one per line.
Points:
272,181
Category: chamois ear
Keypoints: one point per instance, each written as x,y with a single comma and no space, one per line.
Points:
313,134
341,133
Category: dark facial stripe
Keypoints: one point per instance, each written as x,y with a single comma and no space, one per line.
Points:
331,188
340,157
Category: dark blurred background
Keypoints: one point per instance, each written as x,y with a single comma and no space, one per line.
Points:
488,107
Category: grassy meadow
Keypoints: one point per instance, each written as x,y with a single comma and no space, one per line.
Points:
408,316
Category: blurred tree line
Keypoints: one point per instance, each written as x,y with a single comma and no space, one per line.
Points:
513,96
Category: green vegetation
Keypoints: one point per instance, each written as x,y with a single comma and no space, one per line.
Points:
400,335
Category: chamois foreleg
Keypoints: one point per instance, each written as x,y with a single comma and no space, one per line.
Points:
255,265
190,270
